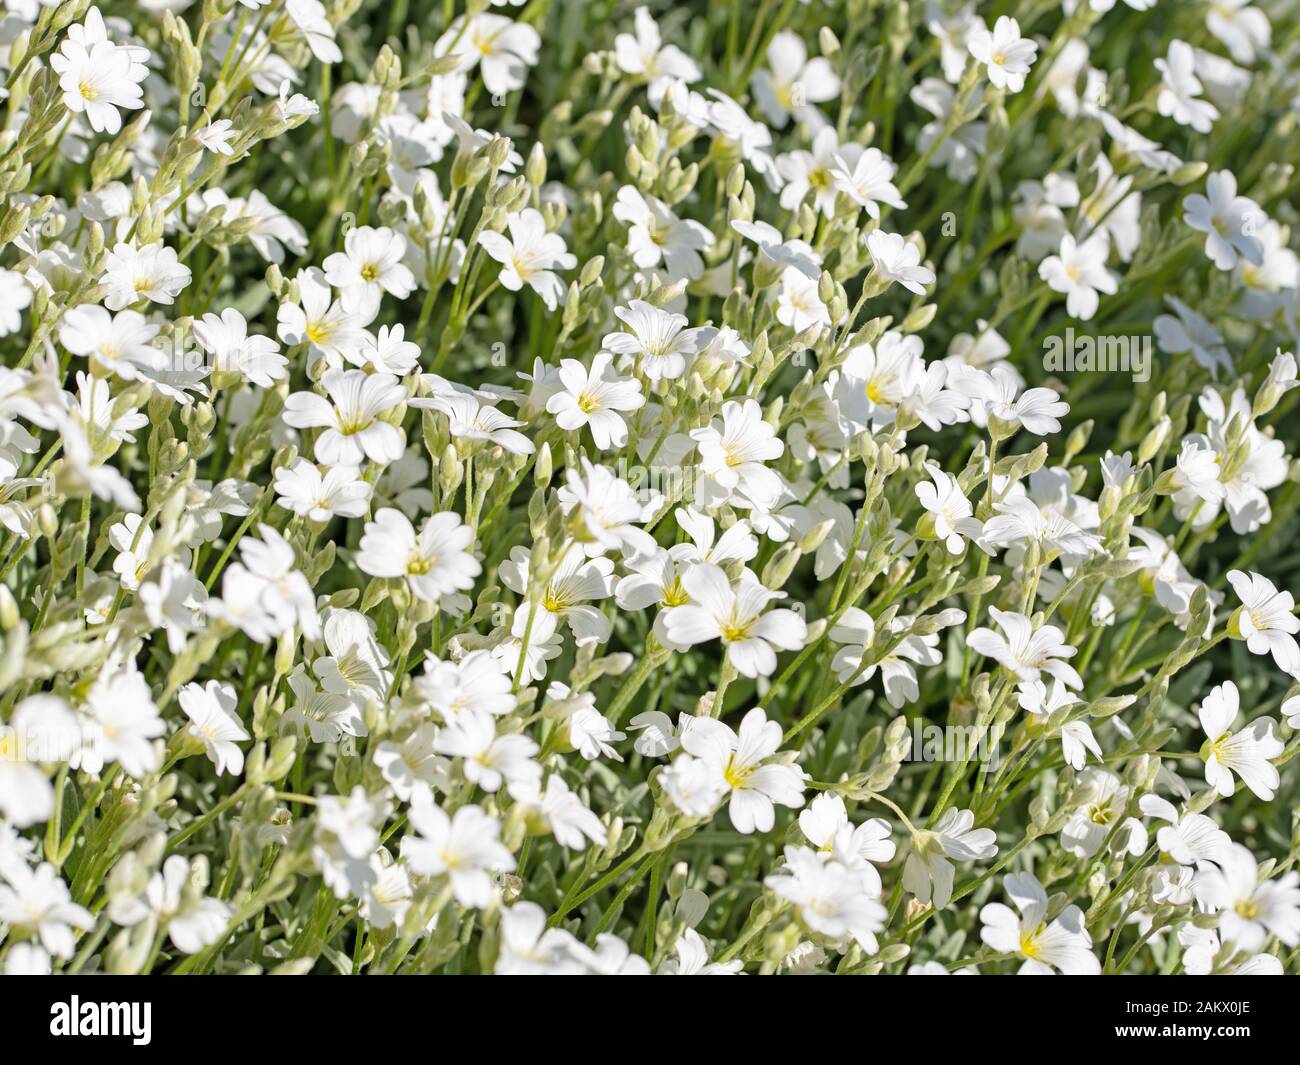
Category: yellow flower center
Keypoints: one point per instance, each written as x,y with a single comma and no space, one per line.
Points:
736,775
675,594
319,332
1029,943
734,631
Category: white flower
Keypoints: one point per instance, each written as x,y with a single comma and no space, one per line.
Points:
645,55
590,733
739,764
226,338
799,303
193,920
867,178
473,683
810,171
1076,736
928,872
500,48
1079,271
15,297
369,265
352,417
950,511
216,136
738,616
1025,651
310,19
829,897
530,256
875,380
658,736
1227,220
1005,54
27,959
1102,799
1187,332
38,901
606,509
775,253
693,959
26,795
435,562
593,397
1064,944
825,822
390,351
213,720
463,847
567,816
413,762
895,258
346,836
265,594
1243,29
1189,838
119,343
951,31
959,151
1250,909
659,338
1246,752
468,419
1019,520
1266,620
692,786
793,82
1180,89
152,272
575,582
856,631
733,454
489,760
125,723
998,395
322,323
97,76
657,236
530,948
388,896
357,663
339,492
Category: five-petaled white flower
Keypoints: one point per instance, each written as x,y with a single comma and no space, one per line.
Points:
1006,55
97,76
214,722
1063,944
352,418
738,616
1026,651
1246,752
530,256
740,765
435,562
1265,620
594,397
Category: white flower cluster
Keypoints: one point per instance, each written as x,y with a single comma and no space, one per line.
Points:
530,497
